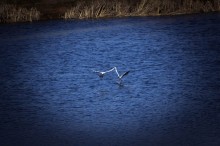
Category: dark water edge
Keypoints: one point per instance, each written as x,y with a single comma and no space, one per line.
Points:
170,97
57,18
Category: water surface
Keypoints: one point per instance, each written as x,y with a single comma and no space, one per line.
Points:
50,96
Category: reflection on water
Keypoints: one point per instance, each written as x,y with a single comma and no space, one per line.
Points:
49,95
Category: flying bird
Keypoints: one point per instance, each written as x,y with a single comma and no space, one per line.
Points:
102,73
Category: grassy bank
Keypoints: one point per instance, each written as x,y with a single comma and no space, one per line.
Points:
19,11
118,8
13,13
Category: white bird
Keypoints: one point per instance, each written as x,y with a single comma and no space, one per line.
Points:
102,73
120,76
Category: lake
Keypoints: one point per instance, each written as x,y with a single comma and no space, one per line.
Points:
171,96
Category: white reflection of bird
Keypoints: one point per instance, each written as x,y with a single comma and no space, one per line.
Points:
120,76
102,73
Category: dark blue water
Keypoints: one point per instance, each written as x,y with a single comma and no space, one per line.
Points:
50,96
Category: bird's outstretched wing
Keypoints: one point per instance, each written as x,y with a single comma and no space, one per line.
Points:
117,72
126,73
109,70
103,72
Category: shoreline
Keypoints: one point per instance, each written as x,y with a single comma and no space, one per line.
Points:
12,13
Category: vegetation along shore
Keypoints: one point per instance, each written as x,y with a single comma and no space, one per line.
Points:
32,10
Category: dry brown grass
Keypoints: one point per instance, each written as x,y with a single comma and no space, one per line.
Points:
12,13
118,8
94,9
